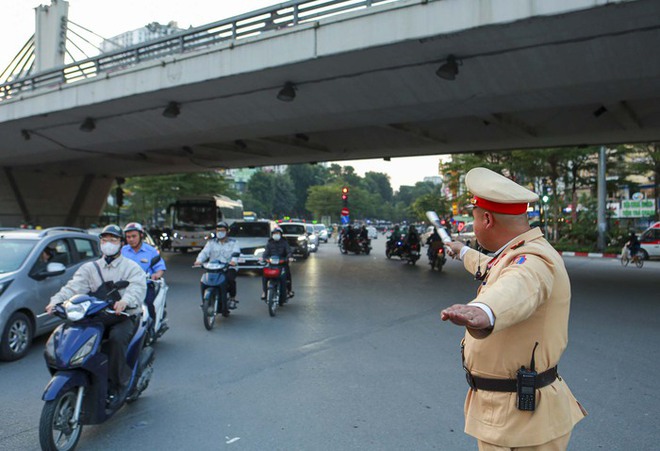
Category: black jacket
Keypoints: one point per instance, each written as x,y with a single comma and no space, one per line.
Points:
280,248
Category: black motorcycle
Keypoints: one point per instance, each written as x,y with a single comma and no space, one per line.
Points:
356,245
437,256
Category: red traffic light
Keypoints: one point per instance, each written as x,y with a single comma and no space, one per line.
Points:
344,197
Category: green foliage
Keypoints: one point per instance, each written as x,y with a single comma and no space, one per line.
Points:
146,198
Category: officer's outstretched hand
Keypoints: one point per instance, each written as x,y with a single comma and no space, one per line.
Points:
466,315
454,248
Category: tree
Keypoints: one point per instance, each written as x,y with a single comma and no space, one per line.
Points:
377,182
303,176
150,195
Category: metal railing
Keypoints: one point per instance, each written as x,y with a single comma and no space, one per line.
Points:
283,15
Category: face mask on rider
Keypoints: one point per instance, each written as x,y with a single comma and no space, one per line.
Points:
221,235
109,249
277,236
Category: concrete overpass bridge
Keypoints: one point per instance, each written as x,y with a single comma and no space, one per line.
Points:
377,79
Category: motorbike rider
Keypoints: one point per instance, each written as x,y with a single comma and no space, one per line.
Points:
222,248
431,243
276,246
91,278
142,254
411,238
394,236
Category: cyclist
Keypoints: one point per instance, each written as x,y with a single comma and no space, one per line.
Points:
633,245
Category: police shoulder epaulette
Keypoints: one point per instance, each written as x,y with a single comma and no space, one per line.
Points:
518,244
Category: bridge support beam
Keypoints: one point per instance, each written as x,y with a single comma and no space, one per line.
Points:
36,198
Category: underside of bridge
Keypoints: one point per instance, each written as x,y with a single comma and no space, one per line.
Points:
365,87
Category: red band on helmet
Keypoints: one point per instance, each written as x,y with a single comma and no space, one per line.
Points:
497,207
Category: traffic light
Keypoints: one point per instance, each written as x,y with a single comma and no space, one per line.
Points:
344,195
119,196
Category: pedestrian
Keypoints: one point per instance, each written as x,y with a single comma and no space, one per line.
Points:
516,327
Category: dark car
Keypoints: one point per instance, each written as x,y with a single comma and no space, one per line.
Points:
296,234
34,265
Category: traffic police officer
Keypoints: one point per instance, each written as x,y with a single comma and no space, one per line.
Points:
519,318
223,249
112,267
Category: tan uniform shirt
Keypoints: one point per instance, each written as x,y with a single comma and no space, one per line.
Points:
528,290
86,279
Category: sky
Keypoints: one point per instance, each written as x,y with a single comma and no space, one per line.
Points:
110,18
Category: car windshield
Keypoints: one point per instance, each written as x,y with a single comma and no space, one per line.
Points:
293,229
319,227
249,229
13,253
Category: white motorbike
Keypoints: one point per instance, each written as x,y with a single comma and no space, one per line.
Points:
159,322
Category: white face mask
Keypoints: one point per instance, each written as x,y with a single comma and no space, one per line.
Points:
109,249
221,235
277,236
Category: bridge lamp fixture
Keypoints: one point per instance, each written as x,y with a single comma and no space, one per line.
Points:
287,93
600,111
88,125
25,134
172,110
449,69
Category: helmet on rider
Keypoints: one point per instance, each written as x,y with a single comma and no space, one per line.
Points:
112,229
134,227
276,230
222,225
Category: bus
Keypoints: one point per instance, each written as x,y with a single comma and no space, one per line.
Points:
249,216
193,219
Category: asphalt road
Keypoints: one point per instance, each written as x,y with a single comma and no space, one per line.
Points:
359,360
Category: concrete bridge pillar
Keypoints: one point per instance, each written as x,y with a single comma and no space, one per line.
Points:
43,199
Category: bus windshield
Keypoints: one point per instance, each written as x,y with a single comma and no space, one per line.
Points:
194,216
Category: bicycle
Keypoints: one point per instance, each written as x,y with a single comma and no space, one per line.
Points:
626,258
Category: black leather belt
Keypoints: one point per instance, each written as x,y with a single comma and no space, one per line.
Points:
508,385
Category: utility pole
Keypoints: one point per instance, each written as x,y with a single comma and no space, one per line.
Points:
602,192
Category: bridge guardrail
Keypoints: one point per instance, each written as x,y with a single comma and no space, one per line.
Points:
283,15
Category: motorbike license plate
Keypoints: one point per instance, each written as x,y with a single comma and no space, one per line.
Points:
241,260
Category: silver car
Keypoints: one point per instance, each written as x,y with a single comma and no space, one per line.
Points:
313,237
252,237
34,265
322,232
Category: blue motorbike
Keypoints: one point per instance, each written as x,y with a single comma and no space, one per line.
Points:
214,296
77,392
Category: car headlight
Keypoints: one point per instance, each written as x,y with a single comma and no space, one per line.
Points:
83,352
259,251
4,285
75,312
302,238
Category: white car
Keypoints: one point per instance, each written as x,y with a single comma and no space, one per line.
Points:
650,242
372,233
313,237
322,232
252,237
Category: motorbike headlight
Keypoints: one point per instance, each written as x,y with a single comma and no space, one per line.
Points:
4,285
176,235
259,251
83,352
75,312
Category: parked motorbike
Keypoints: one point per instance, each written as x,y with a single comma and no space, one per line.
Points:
77,392
159,323
276,292
437,256
215,299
